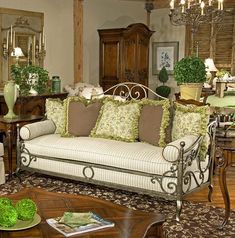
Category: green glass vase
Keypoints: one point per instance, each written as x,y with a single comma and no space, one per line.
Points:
10,95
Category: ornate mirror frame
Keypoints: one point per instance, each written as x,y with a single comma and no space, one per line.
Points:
25,30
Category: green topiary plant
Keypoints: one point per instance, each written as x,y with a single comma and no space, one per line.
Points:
26,209
20,74
8,216
5,202
190,70
163,90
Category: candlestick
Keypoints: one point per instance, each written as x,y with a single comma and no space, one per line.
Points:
43,35
7,39
14,39
40,42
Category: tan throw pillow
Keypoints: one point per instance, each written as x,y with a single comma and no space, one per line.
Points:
153,122
82,118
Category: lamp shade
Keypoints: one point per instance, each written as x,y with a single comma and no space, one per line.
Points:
17,52
210,66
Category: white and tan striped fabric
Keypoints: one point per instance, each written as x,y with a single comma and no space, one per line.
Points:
136,156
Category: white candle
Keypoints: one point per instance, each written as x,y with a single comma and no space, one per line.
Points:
209,2
11,35
202,7
189,4
182,2
221,5
172,4
7,39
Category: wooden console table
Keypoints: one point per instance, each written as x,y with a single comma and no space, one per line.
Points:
221,86
33,105
29,109
9,126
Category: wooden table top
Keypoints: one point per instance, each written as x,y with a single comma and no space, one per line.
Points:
20,118
128,223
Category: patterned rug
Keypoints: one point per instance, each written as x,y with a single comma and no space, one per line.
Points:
197,220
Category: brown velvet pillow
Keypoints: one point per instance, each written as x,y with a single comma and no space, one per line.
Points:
82,118
150,123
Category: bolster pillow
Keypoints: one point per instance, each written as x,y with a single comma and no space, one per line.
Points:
36,129
172,150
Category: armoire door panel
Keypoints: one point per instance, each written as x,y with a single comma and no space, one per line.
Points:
111,61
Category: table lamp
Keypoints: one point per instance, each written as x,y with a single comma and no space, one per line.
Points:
17,52
210,67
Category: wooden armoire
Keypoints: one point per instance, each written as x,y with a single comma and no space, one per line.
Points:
124,55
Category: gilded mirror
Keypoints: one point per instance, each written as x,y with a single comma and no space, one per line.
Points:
22,30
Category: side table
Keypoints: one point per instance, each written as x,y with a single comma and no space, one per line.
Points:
9,127
223,162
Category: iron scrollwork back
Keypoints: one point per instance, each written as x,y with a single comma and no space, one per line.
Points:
130,90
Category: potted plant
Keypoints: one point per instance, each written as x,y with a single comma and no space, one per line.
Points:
190,74
22,75
163,90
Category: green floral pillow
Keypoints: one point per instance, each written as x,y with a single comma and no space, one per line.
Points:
55,112
191,120
118,120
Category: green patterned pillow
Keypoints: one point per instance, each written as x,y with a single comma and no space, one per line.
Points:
191,120
118,120
55,112
154,121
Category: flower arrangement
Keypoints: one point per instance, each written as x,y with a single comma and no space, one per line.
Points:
221,73
22,77
24,209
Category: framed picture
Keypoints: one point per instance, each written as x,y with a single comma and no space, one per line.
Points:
164,54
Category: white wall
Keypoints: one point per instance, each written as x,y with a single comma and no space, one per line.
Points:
101,14
58,21
98,14
165,32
